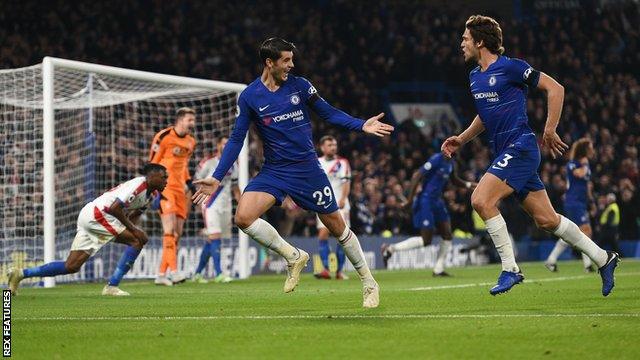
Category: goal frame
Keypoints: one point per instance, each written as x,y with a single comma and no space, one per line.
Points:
49,66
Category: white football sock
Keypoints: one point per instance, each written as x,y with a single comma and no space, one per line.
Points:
265,234
443,250
560,247
570,232
410,243
352,249
497,228
586,262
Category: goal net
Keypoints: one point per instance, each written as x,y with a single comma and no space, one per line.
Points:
71,131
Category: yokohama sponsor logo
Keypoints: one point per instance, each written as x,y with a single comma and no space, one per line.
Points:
297,115
485,95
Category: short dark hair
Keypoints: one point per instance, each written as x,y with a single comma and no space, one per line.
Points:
487,30
184,111
152,167
272,47
327,138
579,149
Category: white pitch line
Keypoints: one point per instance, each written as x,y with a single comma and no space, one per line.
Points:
321,317
560,278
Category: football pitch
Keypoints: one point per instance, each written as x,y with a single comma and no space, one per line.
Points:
551,315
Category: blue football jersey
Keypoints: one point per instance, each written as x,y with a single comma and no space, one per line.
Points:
436,173
577,188
281,118
500,95
283,123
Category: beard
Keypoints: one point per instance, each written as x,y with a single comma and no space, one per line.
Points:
470,60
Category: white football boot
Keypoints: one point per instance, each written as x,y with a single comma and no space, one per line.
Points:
113,291
14,278
371,295
163,280
293,271
177,277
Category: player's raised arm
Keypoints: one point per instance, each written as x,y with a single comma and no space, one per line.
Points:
453,143
206,187
555,98
335,116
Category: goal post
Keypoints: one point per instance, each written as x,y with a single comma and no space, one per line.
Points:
97,119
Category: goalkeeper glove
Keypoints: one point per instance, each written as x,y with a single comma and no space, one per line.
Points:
191,186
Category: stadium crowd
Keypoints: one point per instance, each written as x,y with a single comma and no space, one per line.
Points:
351,57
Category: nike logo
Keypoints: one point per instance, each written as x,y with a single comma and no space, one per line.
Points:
497,168
264,108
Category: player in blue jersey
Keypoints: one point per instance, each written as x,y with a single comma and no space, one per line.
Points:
277,103
576,199
499,87
429,210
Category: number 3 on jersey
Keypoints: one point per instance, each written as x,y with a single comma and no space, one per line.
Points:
319,196
505,160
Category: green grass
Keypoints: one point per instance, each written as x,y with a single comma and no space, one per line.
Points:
323,319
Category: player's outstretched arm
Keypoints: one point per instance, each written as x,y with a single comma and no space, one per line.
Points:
338,117
205,188
374,126
229,155
454,143
555,98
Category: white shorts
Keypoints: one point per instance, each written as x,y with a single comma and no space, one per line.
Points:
346,215
95,229
218,221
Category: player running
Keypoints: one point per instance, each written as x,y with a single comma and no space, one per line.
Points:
172,147
499,86
429,210
217,214
276,103
339,173
575,199
110,217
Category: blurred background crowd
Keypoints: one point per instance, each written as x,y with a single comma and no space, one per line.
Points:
353,57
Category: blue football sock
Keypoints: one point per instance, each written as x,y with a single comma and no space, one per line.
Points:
204,258
214,249
124,265
50,269
340,255
324,253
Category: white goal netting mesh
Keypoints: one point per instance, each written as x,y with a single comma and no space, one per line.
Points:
104,126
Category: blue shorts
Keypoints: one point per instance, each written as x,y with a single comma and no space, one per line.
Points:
577,213
429,211
518,166
310,189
